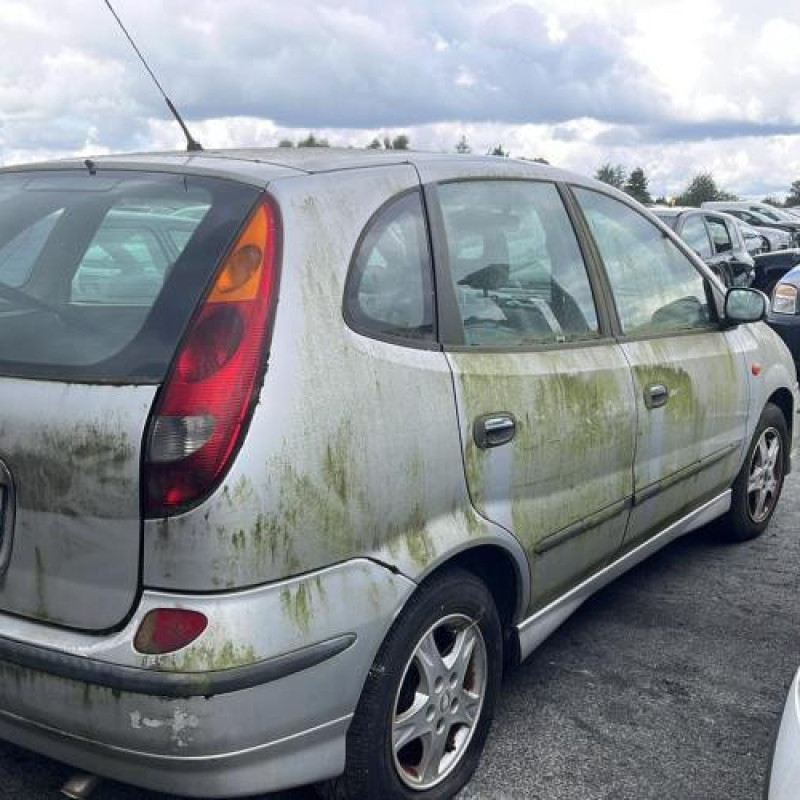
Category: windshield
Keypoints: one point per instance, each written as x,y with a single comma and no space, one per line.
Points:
100,273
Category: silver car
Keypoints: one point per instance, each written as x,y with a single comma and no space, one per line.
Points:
299,449
784,777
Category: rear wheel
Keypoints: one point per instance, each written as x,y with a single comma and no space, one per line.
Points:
429,699
758,486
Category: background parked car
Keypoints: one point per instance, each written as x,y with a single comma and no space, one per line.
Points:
784,314
784,777
763,217
716,238
755,241
770,265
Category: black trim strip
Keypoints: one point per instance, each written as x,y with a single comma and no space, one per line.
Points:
577,528
169,684
653,489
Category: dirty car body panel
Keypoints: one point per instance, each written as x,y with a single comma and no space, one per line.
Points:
383,442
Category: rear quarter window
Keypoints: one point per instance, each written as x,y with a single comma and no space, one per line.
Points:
389,292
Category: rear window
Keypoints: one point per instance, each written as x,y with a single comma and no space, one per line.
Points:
99,274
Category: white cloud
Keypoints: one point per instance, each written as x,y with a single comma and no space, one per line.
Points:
671,85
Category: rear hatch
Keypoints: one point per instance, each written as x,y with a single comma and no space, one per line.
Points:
100,273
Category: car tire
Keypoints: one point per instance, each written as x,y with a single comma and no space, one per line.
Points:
429,697
758,486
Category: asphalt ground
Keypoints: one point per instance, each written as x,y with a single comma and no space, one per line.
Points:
667,685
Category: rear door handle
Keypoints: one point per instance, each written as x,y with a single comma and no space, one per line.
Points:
656,395
492,430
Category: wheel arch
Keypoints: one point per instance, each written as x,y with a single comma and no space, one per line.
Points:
782,398
502,573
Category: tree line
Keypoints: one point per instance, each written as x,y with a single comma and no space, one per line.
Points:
401,142
700,189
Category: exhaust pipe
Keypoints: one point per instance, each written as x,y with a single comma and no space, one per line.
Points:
80,786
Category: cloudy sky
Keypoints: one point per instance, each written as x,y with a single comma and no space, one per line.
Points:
674,86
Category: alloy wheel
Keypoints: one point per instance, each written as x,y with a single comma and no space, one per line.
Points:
439,701
765,475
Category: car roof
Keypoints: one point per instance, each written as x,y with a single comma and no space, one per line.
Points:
261,165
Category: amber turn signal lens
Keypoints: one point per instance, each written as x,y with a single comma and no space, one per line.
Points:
165,630
240,268
240,276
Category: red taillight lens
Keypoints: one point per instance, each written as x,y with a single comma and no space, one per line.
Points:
206,401
165,630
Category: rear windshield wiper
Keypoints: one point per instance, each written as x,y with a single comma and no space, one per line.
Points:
15,295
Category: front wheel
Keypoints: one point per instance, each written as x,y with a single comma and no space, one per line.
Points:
429,699
758,486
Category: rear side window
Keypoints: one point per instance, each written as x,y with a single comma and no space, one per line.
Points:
719,235
99,274
389,290
518,273
656,287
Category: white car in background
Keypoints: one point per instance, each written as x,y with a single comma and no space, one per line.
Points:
784,778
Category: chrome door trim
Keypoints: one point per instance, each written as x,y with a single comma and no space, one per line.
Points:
536,628
8,497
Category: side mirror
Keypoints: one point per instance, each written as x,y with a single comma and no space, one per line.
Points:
745,305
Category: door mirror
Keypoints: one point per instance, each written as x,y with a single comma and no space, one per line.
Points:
745,305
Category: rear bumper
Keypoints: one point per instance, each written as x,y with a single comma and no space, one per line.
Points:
260,702
784,778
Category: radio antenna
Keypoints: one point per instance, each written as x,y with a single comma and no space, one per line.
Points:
192,145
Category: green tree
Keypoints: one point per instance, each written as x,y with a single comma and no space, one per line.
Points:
771,200
701,189
375,144
463,146
499,151
312,141
793,199
401,142
285,143
612,174
636,186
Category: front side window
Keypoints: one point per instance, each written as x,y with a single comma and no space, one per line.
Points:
518,273
390,291
695,235
656,287
719,235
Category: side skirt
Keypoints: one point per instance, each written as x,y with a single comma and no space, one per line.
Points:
536,628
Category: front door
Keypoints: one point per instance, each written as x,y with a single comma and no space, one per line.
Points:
545,398
690,383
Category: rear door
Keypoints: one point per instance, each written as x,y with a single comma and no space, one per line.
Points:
690,381
544,395
97,281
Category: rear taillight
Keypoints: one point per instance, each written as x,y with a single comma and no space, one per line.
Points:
206,401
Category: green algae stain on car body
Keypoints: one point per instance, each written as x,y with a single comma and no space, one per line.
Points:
574,438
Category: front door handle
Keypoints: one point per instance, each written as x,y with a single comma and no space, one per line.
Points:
656,395
492,430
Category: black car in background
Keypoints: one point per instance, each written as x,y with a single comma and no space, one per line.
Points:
784,312
716,238
773,266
